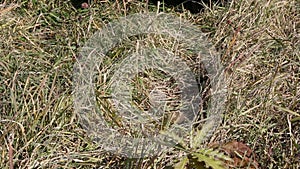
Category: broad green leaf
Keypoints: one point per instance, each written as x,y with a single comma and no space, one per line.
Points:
209,161
182,163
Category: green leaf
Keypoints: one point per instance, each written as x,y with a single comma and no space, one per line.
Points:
209,161
287,110
201,135
295,119
182,163
215,154
180,142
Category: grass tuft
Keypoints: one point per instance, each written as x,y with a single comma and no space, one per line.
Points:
40,40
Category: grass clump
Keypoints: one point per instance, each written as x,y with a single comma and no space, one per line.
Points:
40,41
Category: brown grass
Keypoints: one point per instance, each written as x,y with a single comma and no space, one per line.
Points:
40,40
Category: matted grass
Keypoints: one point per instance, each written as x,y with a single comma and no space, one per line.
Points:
40,40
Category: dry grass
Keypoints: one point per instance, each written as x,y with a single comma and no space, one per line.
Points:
258,42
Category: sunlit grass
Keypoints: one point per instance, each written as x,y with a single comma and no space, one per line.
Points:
40,40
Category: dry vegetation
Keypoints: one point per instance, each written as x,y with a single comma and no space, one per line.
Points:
258,42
